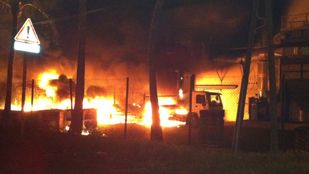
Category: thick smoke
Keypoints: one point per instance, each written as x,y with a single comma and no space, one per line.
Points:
298,7
194,36
63,87
190,38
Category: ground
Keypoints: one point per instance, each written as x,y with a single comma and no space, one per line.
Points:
46,152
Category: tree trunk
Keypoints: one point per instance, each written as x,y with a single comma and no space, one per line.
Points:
77,117
156,130
9,79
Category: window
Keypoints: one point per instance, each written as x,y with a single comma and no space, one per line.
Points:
200,99
215,99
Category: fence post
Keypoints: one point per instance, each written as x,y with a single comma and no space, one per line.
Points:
126,108
32,93
71,93
189,117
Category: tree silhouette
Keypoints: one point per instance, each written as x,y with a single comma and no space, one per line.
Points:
77,117
156,130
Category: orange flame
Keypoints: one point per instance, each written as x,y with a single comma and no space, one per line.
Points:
106,111
44,80
180,94
165,113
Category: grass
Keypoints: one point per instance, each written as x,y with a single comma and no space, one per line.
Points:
61,153
160,158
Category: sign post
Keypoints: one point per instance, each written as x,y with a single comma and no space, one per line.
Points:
26,40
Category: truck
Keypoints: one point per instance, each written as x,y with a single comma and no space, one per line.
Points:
203,104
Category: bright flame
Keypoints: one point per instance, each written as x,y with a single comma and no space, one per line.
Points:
181,111
166,101
180,93
44,80
165,113
106,112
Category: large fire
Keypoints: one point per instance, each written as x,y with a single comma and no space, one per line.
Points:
106,111
164,111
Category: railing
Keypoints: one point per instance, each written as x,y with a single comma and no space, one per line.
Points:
298,21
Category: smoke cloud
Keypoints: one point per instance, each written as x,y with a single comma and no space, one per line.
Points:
298,7
190,38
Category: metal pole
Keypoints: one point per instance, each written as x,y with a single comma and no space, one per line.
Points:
144,98
126,108
71,96
71,93
283,103
245,78
114,95
272,77
32,93
301,71
23,93
192,85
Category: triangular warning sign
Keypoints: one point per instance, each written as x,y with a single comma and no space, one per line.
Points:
27,33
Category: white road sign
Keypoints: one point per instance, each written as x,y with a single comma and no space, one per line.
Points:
26,39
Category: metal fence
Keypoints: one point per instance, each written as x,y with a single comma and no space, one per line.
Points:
58,90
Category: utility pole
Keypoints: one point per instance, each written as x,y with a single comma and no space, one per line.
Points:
77,117
245,77
156,130
272,77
